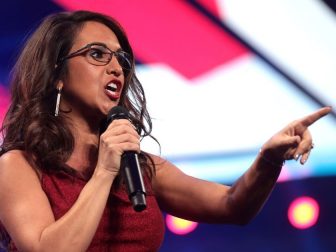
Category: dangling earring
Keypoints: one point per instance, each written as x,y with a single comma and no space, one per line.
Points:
58,99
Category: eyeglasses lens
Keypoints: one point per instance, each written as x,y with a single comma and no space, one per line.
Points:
100,55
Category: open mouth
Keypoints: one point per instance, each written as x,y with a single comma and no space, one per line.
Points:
112,89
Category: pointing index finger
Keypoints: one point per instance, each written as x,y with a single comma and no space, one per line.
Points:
310,119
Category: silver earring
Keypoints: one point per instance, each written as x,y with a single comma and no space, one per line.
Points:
58,99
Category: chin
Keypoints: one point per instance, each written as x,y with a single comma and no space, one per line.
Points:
108,107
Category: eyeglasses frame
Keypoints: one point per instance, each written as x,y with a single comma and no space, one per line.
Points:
87,47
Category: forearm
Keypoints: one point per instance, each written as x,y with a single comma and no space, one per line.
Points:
250,192
75,230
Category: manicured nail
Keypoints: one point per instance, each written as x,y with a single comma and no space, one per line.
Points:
296,157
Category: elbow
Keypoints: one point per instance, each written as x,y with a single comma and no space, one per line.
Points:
241,217
245,217
241,214
237,212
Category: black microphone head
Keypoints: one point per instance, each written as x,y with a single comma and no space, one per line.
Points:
117,112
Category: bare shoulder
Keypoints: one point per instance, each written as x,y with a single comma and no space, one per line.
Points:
165,172
14,165
12,157
17,176
24,207
159,162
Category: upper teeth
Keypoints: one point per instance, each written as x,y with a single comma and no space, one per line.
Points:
113,86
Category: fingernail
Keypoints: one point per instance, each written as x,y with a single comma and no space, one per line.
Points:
296,157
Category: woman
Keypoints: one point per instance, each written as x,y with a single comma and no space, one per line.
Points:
59,183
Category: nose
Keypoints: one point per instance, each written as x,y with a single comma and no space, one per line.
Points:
113,67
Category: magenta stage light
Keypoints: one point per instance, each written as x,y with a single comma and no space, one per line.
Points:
180,226
303,212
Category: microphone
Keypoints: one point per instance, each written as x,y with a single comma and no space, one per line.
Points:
130,166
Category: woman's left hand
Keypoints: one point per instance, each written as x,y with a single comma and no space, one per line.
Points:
294,140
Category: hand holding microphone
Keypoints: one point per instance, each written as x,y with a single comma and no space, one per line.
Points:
129,164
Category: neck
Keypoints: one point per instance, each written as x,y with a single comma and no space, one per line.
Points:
86,137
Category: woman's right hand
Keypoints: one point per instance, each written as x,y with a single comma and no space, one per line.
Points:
120,136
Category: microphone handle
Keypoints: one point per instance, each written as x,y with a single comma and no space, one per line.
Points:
134,182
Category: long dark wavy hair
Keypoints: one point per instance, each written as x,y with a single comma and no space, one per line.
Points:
30,124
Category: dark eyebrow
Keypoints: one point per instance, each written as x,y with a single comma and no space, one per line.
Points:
104,45
98,43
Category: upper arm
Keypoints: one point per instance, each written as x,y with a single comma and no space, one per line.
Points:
188,197
24,207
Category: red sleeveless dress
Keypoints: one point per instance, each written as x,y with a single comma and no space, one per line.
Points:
120,228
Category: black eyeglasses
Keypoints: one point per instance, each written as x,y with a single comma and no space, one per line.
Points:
100,55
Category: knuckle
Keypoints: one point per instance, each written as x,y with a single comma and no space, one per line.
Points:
103,140
110,145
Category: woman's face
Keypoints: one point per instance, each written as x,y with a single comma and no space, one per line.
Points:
90,90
